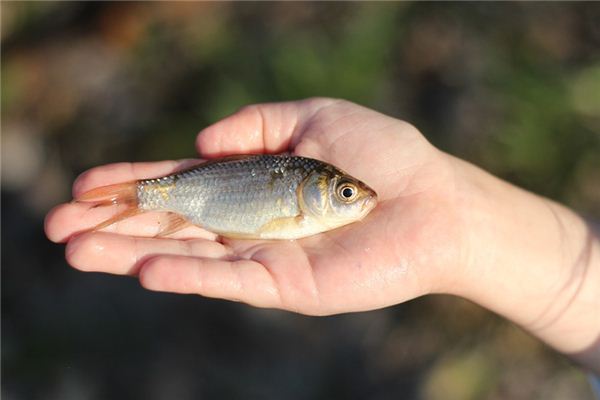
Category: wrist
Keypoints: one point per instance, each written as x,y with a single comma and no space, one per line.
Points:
531,260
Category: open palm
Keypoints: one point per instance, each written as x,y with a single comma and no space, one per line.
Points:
410,244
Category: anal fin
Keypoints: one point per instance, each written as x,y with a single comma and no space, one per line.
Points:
174,223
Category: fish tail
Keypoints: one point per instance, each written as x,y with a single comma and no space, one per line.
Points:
121,193
118,194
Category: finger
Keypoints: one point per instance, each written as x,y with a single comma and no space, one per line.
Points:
241,280
260,128
125,172
117,254
67,220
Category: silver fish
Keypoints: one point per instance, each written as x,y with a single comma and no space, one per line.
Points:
251,196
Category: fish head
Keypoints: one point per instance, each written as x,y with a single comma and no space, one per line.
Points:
336,198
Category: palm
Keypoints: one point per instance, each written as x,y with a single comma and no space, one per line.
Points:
396,253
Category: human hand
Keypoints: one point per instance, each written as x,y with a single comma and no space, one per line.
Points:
410,245
441,226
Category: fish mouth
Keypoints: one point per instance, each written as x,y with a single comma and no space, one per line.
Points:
369,204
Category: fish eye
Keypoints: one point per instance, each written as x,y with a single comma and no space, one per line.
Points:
347,192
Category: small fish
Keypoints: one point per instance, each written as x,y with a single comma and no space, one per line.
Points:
250,196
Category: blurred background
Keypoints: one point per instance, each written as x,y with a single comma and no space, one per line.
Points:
512,87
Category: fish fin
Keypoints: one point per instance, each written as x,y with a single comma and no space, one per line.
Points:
281,225
120,193
130,212
175,222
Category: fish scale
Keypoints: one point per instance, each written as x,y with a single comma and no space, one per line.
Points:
255,196
227,196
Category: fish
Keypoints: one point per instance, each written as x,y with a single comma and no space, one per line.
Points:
245,197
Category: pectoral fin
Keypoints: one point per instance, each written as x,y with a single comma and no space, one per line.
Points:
281,226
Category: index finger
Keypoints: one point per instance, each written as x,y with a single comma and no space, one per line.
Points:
259,128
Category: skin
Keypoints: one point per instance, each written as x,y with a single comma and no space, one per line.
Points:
441,226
